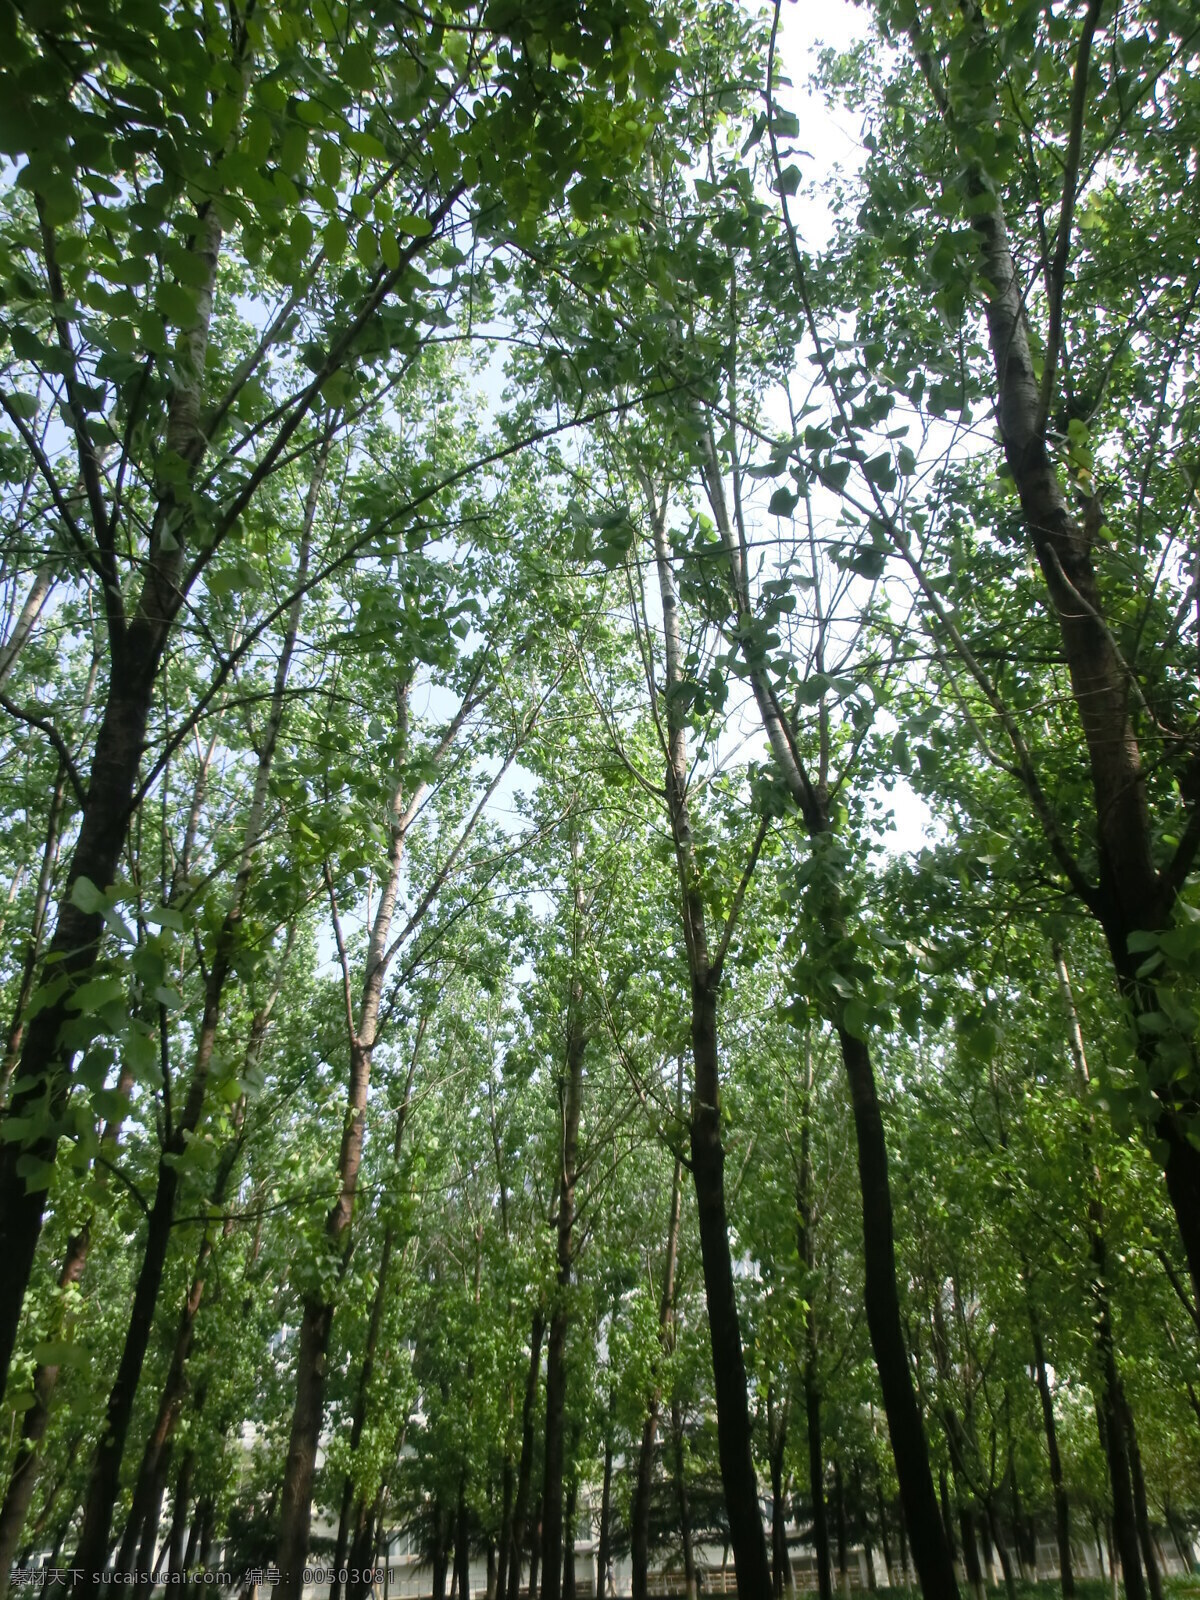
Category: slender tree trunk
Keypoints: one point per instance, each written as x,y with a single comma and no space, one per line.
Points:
191,1553
781,1567
839,1512
734,1443
931,1556
535,1551
734,1434
44,580
881,1509
179,1510
174,1390
498,1584
33,1427
153,1514
683,1502
208,1516
352,1510
934,1564
1001,1550
525,1468
1109,1421
440,1562
806,1242
970,1548
604,1542
462,1548
1062,1509
568,1572
947,1512
362,1031
639,1515
1140,1504
342,1543
570,1103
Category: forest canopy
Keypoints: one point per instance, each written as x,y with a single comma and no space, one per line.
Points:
496,526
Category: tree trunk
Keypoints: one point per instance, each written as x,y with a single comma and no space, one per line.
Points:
498,1582
525,1469
926,1535
462,1547
1062,1510
440,1562
690,1582
175,1385
153,1514
33,1427
604,1543
935,1568
947,1513
1001,1550
806,1243
1140,1505
839,1511
734,1442
883,1531
734,1434
352,1511
570,1103
317,1321
970,1549
1109,1421
639,1514
1131,894
191,1553
568,1572
137,649
535,1550
781,1567
179,1510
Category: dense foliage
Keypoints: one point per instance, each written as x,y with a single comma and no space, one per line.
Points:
487,541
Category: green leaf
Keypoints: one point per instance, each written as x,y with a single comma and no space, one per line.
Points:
86,897
335,238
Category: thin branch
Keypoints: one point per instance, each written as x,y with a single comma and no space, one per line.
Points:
739,896
56,739
343,958
1062,241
